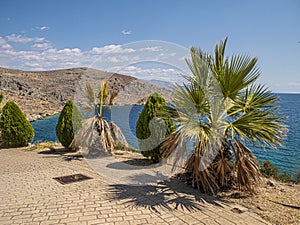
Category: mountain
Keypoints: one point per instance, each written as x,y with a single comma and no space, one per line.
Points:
164,84
44,93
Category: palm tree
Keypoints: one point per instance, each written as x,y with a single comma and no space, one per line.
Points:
98,134
221,112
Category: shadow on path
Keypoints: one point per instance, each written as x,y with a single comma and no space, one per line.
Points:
170,195
124,165
65,155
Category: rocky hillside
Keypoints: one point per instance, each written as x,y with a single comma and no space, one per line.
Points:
41,94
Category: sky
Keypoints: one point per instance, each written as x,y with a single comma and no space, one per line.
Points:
150,39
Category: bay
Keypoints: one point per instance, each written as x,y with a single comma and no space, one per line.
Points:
286,158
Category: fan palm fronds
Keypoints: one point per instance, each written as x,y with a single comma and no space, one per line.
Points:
218,111
98,135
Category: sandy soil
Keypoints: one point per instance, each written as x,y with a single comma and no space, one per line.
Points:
279,204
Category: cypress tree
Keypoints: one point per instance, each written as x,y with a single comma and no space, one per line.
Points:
149,142
15,129
68,123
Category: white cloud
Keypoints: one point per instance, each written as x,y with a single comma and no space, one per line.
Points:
39,39
44,28
4,44
152,49
41,46
33,65
42,55
112,49
69,51
18,38
164,74
126,32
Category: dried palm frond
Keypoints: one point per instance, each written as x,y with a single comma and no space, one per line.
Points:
100,134
169,144
117,134
204,179
247,169
105,136
223,169
97,135
84,136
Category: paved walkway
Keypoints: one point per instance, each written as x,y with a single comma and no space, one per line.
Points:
29,195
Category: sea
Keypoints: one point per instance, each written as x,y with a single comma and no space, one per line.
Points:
285,157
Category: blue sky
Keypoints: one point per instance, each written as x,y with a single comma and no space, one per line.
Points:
43,35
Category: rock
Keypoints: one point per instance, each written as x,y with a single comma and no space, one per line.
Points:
239,209
271,183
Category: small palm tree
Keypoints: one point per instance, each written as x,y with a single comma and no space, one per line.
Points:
221,111
96,133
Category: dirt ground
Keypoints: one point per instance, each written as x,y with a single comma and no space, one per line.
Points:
279,204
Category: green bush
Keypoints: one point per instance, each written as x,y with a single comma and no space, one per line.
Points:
285,177
68,123
15,129
268,170
121,147
149,143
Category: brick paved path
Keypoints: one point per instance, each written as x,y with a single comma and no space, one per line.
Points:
29,195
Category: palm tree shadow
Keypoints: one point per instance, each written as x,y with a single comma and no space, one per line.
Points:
61,153
165,195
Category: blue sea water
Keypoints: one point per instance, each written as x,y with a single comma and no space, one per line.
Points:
286,158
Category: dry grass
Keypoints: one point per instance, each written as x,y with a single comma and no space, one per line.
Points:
44,145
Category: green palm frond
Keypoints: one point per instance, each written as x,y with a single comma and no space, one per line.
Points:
256,97
259,127
102,96
218,111
235,74
199,66
219,62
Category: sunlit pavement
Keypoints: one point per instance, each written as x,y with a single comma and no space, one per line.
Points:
30,195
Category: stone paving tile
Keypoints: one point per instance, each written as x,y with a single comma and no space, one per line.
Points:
29,195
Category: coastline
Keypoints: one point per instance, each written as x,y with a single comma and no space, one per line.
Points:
35,117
